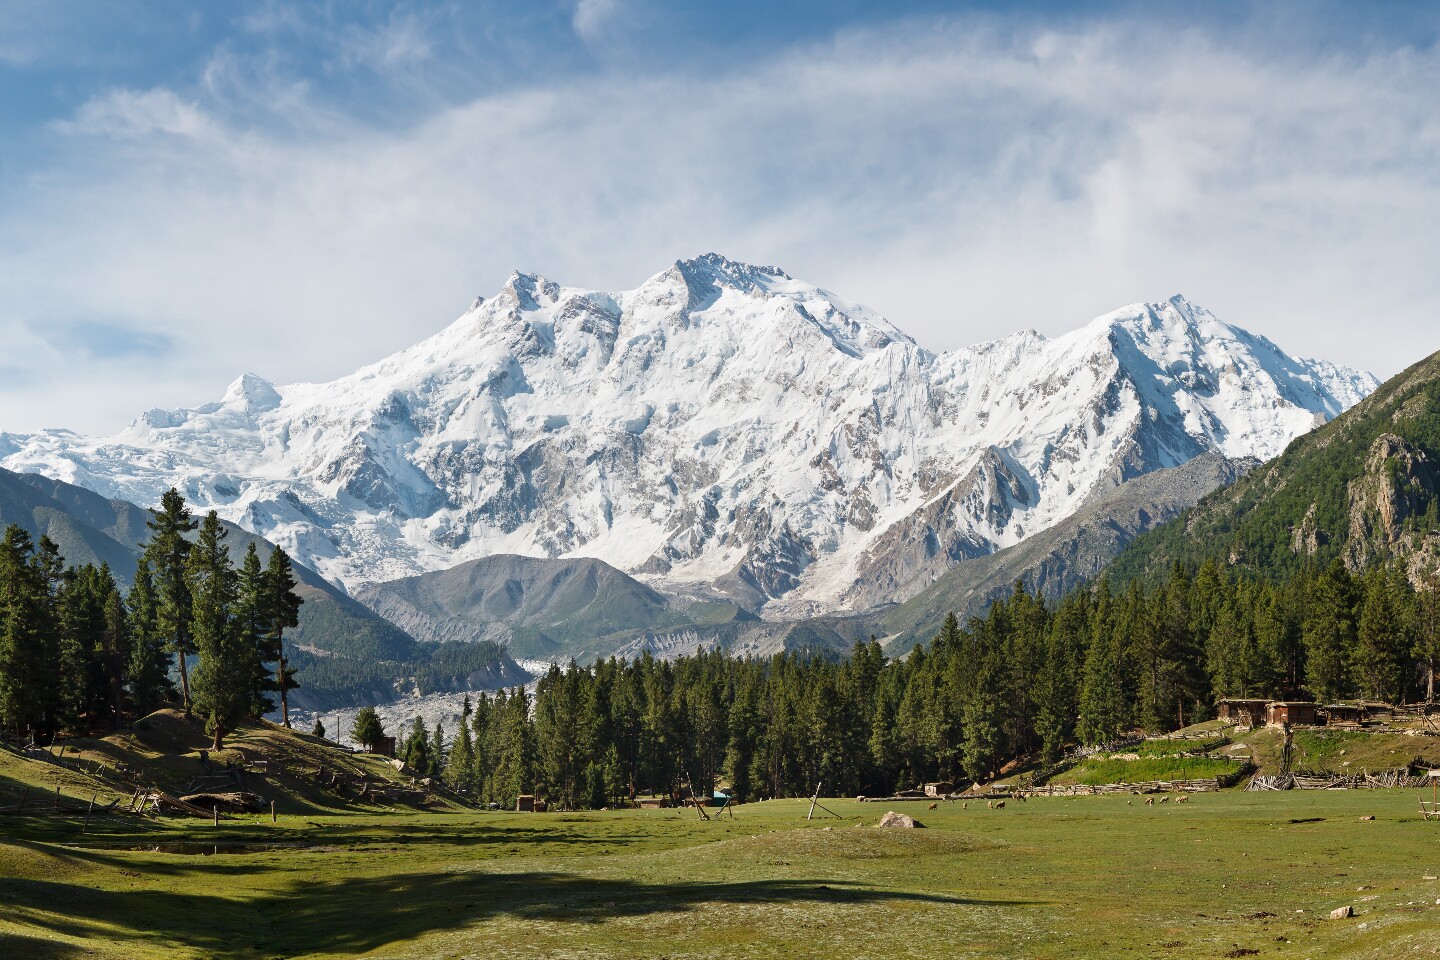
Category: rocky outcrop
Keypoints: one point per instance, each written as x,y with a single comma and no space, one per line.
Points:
1057,560
1398,483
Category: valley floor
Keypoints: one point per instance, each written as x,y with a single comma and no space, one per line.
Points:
1224,875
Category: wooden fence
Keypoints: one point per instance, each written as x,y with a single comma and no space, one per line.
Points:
1351,781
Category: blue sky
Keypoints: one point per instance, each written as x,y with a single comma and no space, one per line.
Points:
193,190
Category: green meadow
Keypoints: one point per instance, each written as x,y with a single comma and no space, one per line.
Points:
1223,875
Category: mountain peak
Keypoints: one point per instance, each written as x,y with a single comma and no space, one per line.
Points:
708,275
252,394
530,289
723,424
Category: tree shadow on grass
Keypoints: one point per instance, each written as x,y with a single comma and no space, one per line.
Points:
34,948
366,913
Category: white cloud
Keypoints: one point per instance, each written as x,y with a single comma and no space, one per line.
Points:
965,182
131,115
593,17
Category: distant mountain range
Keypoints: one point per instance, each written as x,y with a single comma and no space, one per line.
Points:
89,528
723,435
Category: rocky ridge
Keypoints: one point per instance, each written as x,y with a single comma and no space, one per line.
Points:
722,429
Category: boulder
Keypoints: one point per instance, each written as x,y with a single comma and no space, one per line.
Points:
1340,913
893,819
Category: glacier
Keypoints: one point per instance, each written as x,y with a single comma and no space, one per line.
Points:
722,430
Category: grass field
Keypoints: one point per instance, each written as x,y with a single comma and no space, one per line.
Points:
1220,876
1098,770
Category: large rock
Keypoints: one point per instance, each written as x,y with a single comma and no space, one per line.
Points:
893,819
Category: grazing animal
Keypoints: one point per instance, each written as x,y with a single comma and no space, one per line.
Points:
1182,799
999,804
1129,802
933,806
1149,801
1165,799
965,805
989,804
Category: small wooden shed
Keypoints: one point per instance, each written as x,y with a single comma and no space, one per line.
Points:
1345,714
525,803
384,746
1293,712
1249,712
940,789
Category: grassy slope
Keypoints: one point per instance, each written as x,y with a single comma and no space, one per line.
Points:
1101,770
1051,878
1319,751
164,750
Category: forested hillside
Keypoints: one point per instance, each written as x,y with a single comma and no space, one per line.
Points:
1025,682
1361,489
343,652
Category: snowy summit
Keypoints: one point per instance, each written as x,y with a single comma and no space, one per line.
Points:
722,428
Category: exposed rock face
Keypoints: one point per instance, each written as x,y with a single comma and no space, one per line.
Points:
1055,561
900,821
1306,538
723,426
1398,482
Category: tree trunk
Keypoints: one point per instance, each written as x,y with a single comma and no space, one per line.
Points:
219,735
184,682
284,699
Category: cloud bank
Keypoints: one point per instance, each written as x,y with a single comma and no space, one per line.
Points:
964,178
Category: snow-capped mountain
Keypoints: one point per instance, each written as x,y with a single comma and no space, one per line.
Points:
722,427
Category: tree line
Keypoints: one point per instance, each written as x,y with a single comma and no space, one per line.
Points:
1024,682
77,655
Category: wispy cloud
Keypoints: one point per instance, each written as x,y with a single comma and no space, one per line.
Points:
103,340
593,18
963,177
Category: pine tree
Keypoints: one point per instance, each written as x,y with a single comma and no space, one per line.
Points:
252,621
367,730
1382,637
117,641
282,611
29,649
168,552
148,671
415,751
1427,629
437,750
224,687
515,750
460,767
1102,704
1329,633
83,687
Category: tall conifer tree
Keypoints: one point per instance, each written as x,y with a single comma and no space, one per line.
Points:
168,552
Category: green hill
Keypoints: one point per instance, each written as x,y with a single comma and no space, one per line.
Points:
1362,488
